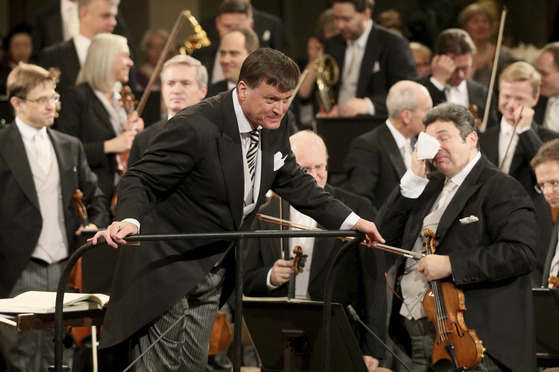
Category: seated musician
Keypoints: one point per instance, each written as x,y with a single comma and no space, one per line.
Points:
486,237
546,166
359,280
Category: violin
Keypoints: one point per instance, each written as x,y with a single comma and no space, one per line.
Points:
474,110
554,281
445,306
222,334
298,263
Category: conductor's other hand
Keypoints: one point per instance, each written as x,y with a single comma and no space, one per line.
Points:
369,228
115,233
280,272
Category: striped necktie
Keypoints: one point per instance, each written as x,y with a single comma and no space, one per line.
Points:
251,153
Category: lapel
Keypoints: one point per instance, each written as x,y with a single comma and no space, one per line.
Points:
370,57
231,159
389,146
70,61
267,160
14,152
470,185
490,144
102,116
67,170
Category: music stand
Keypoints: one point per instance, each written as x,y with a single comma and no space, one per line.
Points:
546,322
288,336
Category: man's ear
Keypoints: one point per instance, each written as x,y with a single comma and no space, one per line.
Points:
242,89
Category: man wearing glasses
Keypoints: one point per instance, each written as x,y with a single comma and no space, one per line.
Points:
512,144
546,167
40,169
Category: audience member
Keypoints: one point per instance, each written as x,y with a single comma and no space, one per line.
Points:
92,111
392,20
371,59
360,274
184,83
41,169
230,14
486,236
547,108
546,167
18,48
234,47
450,68
377,160
422,56
512,144
96,16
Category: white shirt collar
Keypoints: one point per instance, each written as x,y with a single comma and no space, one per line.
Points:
27,131
82,44
361,41
506,128
398,137
242,121
461,176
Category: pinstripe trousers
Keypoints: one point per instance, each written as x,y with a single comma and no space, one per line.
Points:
30,351
185,347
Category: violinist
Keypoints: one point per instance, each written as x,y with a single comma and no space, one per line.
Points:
546,166
40,168
512,144
92,111
486,240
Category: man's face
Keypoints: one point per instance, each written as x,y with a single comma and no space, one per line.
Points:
180,88
547,173
232,55
311,156
227,21
21,47
122,65
265,105
512,95
33,113
454,153
550,75
463,64
98,17
350,22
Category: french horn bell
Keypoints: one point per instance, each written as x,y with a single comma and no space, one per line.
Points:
327,75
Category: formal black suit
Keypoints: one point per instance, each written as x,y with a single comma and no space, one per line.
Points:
528,145
550,255
64,57
491,258
477,95
216,88
540,109
359,279
143,139
387,60
84,116
20,217
193,172
48,27
374,165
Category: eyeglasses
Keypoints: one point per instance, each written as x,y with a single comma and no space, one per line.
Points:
320,168
43,100
540,187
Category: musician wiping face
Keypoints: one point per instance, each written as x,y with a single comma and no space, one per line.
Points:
512,149
486,234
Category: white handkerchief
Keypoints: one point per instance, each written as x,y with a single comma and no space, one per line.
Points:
279,160
467,220
376,67
427,146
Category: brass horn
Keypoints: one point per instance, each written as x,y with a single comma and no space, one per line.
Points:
197,40
327,75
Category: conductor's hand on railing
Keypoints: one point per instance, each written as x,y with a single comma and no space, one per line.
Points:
115,233
373,236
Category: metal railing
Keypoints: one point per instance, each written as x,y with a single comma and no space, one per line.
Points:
236,236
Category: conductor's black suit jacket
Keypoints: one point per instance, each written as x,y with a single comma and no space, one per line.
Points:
491,258
20,215
190,180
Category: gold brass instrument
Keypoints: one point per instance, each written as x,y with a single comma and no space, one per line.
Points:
197,40
327,75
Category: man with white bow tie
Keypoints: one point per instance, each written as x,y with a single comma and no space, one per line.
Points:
450,68
40,169
512,144
486,239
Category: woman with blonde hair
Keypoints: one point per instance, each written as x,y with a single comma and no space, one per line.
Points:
92,110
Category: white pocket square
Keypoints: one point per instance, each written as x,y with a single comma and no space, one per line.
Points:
279,160
376,67
467,220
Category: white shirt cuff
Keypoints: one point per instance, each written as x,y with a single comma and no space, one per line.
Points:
132,221
436,83
349,222
268,282
411,185
371,106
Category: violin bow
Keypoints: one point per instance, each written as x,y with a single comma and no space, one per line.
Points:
483,125
382,247
511,137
